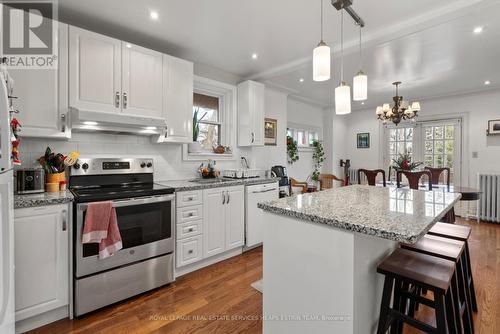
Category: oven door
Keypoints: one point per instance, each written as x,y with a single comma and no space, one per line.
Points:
147,230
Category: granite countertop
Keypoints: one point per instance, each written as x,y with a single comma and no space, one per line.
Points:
185,185
402,215
31,200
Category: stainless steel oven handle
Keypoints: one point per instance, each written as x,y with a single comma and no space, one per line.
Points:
135,201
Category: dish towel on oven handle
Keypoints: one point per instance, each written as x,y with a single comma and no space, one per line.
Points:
101,226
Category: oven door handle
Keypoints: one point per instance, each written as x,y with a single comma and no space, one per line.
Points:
134,201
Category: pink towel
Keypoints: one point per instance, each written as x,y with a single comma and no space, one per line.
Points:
101,226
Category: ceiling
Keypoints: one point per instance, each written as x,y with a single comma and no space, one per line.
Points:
427,44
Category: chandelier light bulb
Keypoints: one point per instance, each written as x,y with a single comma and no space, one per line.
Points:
379,110
321,62
415,106
386,107
343,99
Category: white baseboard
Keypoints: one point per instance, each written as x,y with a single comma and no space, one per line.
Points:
206,262
43,319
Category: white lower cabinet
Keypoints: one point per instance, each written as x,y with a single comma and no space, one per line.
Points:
41,259
213,224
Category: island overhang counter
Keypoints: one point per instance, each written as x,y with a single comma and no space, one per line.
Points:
321,251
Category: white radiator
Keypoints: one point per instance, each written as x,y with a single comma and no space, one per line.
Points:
353,176
489,203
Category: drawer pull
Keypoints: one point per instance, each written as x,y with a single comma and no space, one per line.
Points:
190,214
190,251
190,198
190,229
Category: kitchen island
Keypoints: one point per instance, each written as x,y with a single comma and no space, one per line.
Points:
321,251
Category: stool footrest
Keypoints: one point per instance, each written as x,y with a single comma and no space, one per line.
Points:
419,299
415,323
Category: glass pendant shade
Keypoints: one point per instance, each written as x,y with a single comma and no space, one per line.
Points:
386,107
321,62
343,99
415,106
379,110
360,87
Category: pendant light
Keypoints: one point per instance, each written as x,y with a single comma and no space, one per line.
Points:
321,57
343,91
360,81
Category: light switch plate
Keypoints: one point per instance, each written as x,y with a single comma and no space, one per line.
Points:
475,155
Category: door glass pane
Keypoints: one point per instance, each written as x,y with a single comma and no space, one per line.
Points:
401,134
439,147
392,148
409,147
428,133
392,134
449,146
449,160
409,134
438,132
428,147
401,147
449,132
438,161
428,160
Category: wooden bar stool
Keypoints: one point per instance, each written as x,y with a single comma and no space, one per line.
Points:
405,271
413,178
371,176
461,233
452,250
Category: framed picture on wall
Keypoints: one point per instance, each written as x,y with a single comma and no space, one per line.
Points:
494,127
270,131
363,140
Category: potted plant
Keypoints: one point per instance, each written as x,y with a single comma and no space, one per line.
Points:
404,162
318,159
195,146
291,149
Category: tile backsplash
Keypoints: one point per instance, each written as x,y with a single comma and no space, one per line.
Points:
167,157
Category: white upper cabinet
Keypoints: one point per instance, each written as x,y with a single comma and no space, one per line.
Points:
251,113
142,81
43,96
94,71
178,99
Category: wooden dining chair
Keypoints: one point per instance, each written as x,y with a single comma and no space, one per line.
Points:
326,181
413,178
436,174
298,184
371,175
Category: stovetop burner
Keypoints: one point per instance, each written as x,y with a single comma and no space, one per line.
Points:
103,179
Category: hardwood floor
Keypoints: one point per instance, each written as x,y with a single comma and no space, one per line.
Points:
219,299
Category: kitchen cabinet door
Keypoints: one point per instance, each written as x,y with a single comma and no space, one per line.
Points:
178,99
251,113
214,221
94,71
43,94
41,259
142,81
235,217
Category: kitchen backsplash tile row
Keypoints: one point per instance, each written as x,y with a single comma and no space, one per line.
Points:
168,161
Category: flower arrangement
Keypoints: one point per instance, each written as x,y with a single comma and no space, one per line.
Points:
403,162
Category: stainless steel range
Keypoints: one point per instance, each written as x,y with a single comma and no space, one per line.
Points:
146,220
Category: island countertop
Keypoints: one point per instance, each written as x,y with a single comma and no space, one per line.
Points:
402,215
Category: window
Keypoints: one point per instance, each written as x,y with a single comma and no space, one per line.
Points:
400,142
206,115
304,137
439,146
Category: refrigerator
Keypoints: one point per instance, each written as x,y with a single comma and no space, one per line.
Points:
7,319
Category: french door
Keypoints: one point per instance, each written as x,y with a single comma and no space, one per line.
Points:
435,143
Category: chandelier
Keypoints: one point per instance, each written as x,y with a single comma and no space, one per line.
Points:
402,110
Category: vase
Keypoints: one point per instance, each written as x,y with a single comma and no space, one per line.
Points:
56,177
194,147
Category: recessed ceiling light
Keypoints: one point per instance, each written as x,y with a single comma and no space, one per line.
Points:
128,45
478,30
90,123
150,128
301,79
362,103
153,15
255,56
487,82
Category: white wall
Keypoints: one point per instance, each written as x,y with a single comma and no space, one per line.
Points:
307,115
267,156
476,110
335,138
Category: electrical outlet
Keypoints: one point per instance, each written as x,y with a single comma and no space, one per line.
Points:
475,155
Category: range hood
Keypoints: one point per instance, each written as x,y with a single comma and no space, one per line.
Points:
91,121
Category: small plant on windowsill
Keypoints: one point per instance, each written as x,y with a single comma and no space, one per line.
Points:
291,149
318,158
195,146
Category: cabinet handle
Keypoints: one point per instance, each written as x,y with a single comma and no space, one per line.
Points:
64,221
117,100
124,100
190,251
223,198
190,198
253,137
63,123
190,229
190,214
228,197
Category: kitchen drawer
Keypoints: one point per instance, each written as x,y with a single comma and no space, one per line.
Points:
189,250
189,229
189,213
186,198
